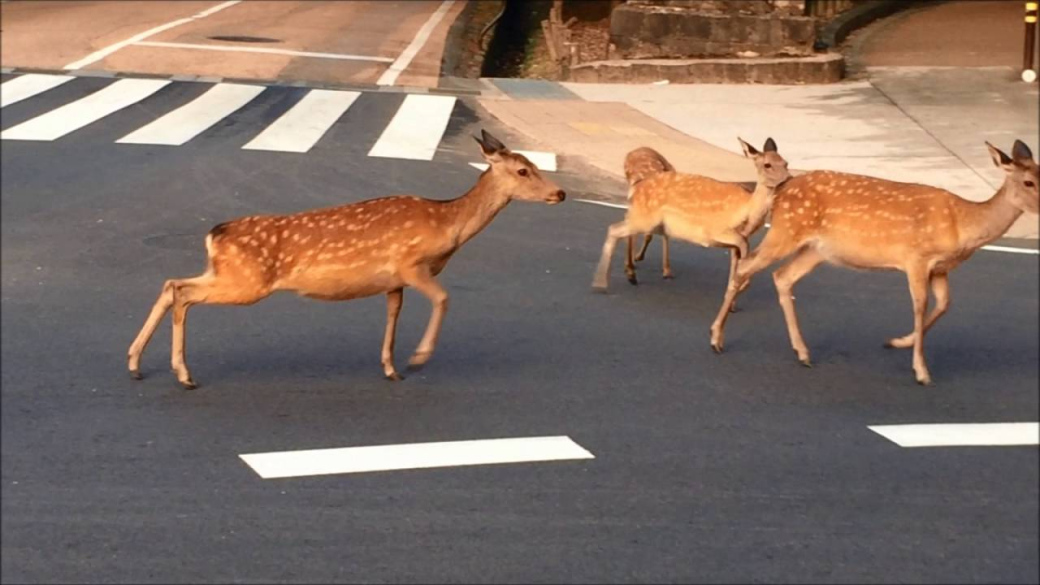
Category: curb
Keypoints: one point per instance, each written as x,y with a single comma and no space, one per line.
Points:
835,31
367,87
816,69
453,42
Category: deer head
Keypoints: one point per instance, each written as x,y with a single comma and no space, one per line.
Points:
1020,181
514,176
771,167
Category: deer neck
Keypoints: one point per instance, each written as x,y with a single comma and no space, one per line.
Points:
475,210
759,204
981,223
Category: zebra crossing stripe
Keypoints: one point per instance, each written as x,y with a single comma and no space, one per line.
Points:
416,129
26,86
304,124
193,118
80,113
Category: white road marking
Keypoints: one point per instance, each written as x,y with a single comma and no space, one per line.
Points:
413,456
101,54
75,115
26,86
405,58
193,118
305,123
1032,251
959,435
604,203
416,129
545,161
287,52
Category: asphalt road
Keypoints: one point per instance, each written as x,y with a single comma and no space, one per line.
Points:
744,467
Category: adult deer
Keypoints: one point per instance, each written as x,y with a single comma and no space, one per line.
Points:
348,252
869,223
641,164
698,209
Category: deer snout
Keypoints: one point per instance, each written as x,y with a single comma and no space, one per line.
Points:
556,197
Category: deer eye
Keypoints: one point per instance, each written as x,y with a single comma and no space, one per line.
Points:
522,172
769,165
1030,183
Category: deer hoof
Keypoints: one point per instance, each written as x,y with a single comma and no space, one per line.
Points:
394,377
189,384
136,375
418,361
716,347
668,276
599,288
925,381
734,309
632,280
805,362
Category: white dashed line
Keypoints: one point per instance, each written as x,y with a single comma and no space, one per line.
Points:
413,456
961,435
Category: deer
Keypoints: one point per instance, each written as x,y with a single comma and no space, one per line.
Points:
698,209
376,246
870,223
641,164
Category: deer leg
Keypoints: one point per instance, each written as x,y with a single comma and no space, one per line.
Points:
785,278
394,299
666,263
206,289
630,266
941,289
917,278
734,257
614,232
162,305
421,279
646,244
767,253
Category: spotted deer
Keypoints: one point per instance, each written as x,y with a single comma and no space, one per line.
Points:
348,252
870,223
641,164
697,209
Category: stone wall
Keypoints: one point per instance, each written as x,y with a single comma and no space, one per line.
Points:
642,29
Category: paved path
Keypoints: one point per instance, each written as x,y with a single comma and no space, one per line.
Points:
735,468
384,42
960,34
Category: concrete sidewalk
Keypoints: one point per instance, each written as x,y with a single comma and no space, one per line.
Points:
922,125
914,123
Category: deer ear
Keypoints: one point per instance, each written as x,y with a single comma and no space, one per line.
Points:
1020,152
748,149
770,146
494,143
999,158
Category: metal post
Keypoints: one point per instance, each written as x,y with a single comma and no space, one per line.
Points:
1028,66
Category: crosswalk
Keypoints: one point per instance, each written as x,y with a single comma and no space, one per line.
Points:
413,132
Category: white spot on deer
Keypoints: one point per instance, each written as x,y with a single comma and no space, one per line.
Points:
408,224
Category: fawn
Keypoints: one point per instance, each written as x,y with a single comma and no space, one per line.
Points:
870,223
641,164
348,252
698,209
